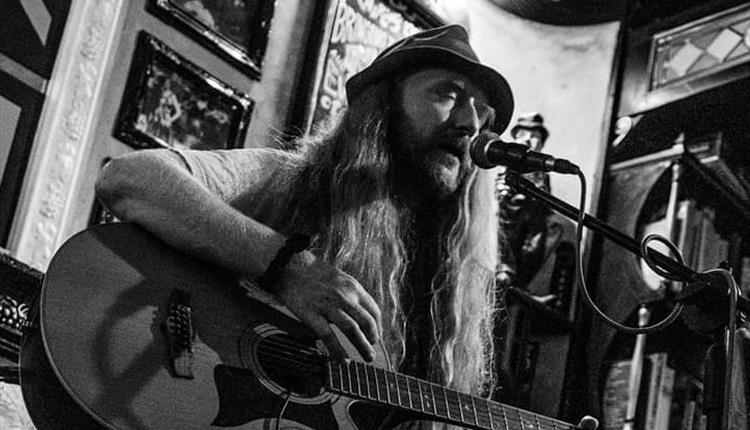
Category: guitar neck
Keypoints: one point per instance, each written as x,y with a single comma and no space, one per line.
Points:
363,381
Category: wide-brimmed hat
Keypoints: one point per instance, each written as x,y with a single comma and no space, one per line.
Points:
446,46
531,121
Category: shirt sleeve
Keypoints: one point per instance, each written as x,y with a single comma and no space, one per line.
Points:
237,176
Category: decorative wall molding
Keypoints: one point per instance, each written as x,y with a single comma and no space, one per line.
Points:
65,131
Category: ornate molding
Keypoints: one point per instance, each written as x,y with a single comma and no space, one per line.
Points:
65,132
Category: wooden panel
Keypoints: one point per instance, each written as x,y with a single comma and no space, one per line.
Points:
23,104
30,32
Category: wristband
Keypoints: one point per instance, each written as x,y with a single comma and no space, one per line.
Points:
296,243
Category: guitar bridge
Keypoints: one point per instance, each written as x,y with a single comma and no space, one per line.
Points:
178,328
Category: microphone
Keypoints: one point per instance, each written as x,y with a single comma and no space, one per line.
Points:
488,151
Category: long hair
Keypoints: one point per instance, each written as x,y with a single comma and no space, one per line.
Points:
344,193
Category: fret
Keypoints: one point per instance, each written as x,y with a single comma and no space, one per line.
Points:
362,380
403,391
454,406
414,397
334,376
428,403
346,380
483,413
393,392
497,412
468,413
353,379
372,383
525,422
382,384
441,403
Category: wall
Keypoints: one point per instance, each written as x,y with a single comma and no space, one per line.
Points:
86,89
561,72
271,93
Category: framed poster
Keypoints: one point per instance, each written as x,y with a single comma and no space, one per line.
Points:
20,107
171,102
236,30
353,34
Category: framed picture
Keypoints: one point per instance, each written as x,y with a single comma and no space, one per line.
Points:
20,107
353,34
236,30
170,102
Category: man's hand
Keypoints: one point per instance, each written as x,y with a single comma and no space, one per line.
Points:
320,295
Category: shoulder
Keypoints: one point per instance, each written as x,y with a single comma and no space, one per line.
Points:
261,161
239,176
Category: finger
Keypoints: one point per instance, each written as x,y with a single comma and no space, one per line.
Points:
366,314
368,302
322,329
588,423
353,332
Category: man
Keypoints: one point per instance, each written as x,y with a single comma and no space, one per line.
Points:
530,130
398,214
524,221
401,222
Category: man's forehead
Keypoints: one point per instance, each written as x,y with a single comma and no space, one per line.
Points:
450,76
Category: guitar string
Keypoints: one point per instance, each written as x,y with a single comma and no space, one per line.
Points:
294,354
542,423
277,362
294,348
284,358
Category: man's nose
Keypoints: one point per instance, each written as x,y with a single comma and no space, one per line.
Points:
466,117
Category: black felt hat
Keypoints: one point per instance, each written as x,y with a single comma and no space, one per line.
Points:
447,46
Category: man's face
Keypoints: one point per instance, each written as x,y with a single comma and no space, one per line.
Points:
532,138
438,112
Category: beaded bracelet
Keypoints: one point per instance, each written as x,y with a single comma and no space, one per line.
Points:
296,243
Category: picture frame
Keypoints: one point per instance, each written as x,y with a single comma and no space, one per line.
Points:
170,102
21,107
351,35
237,31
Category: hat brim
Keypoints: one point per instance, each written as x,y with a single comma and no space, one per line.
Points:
405,59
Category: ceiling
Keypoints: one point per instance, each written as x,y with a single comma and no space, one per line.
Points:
587,12
565,12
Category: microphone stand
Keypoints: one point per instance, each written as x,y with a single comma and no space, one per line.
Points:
706,296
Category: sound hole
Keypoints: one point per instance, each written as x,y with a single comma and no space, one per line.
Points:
296,366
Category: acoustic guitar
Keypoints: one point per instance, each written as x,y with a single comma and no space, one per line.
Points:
133,335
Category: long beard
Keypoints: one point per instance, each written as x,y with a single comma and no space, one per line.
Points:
424,166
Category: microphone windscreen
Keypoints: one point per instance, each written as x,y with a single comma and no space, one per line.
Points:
479,146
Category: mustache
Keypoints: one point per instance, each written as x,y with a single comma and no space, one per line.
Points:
454,142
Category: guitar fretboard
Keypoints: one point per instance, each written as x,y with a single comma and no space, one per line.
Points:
366,382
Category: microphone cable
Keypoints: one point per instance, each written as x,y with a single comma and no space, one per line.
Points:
652,264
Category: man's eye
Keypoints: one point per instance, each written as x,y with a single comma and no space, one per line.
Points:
447,95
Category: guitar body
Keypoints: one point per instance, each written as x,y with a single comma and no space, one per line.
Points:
100,356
